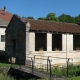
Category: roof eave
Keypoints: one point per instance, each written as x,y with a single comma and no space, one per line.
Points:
53,32
3,26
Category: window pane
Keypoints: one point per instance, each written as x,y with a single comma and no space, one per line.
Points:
2,38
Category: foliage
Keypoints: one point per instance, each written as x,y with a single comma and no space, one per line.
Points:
73,70
51,17
62,18
29,17
77,19
5,77
74,78
3,73
66,18
4,70
59,72
41,18
32,79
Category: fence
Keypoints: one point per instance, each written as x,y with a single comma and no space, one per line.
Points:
45,64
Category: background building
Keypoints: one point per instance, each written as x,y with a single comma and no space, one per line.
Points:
5,18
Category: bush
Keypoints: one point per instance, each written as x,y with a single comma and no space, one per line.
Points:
73,70
74,78
5,77
3,73
59,72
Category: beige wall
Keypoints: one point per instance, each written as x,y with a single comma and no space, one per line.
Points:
2,44
62,54
31,41
49,41
75,55
67,42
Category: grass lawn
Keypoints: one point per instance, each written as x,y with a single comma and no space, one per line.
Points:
74,78
2,65
3,71
5,77
5,65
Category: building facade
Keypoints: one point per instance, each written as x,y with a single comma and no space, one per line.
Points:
26,38
5,18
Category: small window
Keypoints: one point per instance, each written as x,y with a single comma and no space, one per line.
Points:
2,38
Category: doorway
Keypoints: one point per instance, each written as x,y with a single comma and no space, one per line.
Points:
14,48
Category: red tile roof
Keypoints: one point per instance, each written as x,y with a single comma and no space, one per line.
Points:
6,16
38,25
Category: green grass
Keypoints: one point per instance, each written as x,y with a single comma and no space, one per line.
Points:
73,70
5,65
5,77
74,78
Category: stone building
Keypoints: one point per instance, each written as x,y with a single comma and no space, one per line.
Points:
26,38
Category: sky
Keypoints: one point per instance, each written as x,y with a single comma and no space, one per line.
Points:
40,8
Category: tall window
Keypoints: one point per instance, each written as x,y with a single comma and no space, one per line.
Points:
56,42
40,41
2,38
76,42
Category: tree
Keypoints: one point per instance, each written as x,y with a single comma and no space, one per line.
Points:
51,17
29,17
41,18
77,19
66,18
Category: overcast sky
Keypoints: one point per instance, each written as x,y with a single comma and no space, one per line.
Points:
40,8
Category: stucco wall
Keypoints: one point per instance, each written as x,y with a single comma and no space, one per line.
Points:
49,41
67,50
2,44
67,42
31,41
58,58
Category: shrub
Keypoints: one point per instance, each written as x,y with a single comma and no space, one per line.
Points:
5,77
59,71
73,70
3,74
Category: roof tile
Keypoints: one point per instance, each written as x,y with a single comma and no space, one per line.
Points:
54,26
6,16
